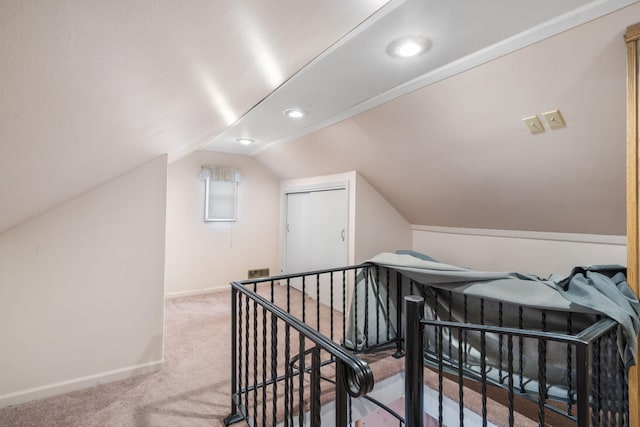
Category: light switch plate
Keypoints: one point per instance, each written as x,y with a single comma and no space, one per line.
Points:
554,119
533,124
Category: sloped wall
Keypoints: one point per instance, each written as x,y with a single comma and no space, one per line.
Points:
379,226
81,289
208,255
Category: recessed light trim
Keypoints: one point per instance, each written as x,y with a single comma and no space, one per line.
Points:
245,141
294,113
408,47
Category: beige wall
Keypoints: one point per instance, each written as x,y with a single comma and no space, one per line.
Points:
527,252
81,289
379,226
202,256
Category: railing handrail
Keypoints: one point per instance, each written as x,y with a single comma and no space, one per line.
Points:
359,379
587,336
301,274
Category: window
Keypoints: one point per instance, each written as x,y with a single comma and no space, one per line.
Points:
221,186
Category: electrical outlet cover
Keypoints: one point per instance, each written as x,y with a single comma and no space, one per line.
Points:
554,119
533,124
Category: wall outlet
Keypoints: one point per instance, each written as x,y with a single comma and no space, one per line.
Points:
259,272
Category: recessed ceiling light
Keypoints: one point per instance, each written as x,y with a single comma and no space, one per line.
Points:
294,113
409,46
245,141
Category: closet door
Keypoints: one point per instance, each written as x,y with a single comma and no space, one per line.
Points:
298,233
316,236
316,230
328,223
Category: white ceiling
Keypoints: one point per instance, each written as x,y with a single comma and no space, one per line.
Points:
455,153
356,73
91,90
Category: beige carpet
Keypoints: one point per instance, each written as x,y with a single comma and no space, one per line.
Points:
193,387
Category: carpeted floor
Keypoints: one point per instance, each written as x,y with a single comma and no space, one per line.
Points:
192,388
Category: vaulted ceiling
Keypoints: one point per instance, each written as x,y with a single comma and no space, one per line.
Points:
456,153
91,90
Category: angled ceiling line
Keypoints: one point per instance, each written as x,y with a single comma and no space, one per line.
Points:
370,20
548,27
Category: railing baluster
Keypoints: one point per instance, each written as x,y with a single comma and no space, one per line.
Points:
460,380
595,384
466,319
510,374
388,304
440,374
301,369
288,295
625,391
272,294
500,344
344,304
583,384
255,361
414,370
246,355
450,319
610,380
520,349
542,369
264,367
235,321
315,387
483,365
274,366
304,294
341,395
355,316
331,301
569,362
399,306
288,384
377,302
366,313
619,383
542,383
318,302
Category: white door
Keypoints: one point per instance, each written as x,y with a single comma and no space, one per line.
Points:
328,220
298,233
316,236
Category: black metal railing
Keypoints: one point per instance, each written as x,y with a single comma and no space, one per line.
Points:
289,348
299,340
595,387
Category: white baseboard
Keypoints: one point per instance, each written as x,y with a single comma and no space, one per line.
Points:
179,294
62,387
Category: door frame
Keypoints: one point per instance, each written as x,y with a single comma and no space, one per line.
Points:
632,38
